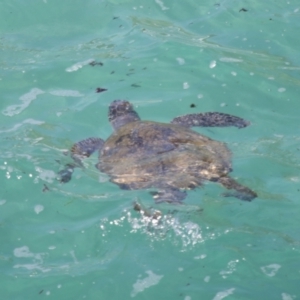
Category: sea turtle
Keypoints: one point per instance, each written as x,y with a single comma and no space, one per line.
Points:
170,158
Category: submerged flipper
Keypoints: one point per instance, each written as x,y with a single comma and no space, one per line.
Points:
87,147
237,190
79,151
170,195
147,212
210,119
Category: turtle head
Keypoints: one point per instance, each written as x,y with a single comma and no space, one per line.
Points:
120,113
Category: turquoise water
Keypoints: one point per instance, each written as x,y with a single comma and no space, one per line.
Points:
83,240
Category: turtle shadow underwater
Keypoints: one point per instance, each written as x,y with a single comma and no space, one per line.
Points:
171,158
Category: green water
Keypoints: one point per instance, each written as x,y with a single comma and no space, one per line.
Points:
82,240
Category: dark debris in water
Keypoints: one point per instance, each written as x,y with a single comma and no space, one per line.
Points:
95,63
45,188
193,105
243,9
135,85
100,90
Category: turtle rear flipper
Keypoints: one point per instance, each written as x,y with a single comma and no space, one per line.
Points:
170,195
79,151
236,189
210,119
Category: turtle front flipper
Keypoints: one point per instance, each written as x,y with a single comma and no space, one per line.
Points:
210,119
65,174
237,190
170,195
79,151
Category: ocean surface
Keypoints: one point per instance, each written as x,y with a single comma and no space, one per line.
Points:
61,65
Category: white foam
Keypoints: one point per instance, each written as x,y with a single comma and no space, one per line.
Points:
72,252
38,208
286,296
66,93
142,284
180,60
231,267
37,260
27,121
2,202
161,4
186,85
22,252
271,270
31,267
46,175
79,65
230,60
281,90
26,99
223,294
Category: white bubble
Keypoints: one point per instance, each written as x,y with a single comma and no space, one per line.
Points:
2,202
233,73
38,208
281,90
180,60
212,64
186,85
